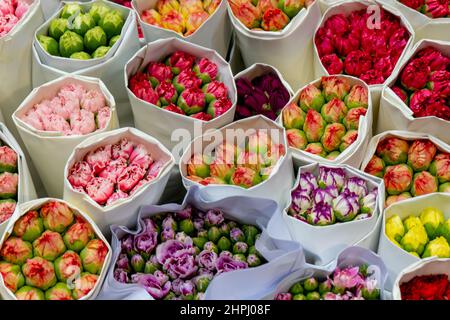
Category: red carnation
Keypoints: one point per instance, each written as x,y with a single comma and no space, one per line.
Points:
346,43
337,23
413,4
401,94
414,76
357,62
372,77
439,82
332,64
434,58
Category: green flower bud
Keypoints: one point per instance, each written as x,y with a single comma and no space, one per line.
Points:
49,44
225,229
240,247
431,218
29,293
310,284
370,295
57,28
240,257
250,233
296,288
444,230
70,9
211,247
224,244
94,38
98,11
82,23
214,234
187,226
113,40
69,43
438,247
325,287
363,269
112,23
313,296
253,260
137,263
232,224
202,284
199,242
202,234
80,55
299,296
100,52
170,296
150,267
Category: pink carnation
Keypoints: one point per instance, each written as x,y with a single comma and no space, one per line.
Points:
116,196
82,122
100,189
130,177
99,158
103,116
113,169
122,149
80,174
93,100
141,157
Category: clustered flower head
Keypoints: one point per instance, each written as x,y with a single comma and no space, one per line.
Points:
348,44
424,84
241,165
114,171
11,11
431,8
426,287
423,236
264,95
74,110
331,197
182,16
9,181
267,15
183,84
49,247
83,35
349,283
179,253
325,120
410,168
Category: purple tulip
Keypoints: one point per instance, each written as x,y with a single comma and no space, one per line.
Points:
278,99
162,278
226,264
214,217
187,288
325,195
346,206
172,248
347,278
244,87
207,259
167,234
155,286
182,266
301,201
176,286
198,224
236,235
257,101
186,213
144,243
150,226
127,243
331,176
321,214
121,275
284,296
243,112
169,223
122,262
357,186
308,182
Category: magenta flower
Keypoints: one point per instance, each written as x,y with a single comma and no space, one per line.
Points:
207,259
214,217
347,278
146,242
226,264
155,286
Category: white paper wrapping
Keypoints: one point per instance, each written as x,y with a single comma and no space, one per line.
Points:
122,211
396,258
214,33
406,135
276,187
427,266
288,50
110,70
354,154
15,61
323,243
396,115
346,7
6,294
350,256
259,69
25,187
161,123
42,145
424,27
283,256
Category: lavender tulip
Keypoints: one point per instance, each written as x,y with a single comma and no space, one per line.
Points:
127,244
150,226
186,213
346,206
331,176
214,217
144,243
357,186
122,262
187,289
210,246
236,235
226,264
169,223
207,259
155,286
137,262
121,275
198,224
167,234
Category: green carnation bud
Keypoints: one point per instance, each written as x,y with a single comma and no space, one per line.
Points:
98,11
81,55
69,43
224,244
57,28
49,44
431,218
137,263
310,284
444,230
240,257
253,260
29,293
100,52
199,242
95,38
112,22
214,234
187,226
373,294
82,23
211,247
59,292
113,40
70,9
150,267
170,296
313,296
202,284
250,233
325,287
299,296
296,288
240,247
202,234
225,229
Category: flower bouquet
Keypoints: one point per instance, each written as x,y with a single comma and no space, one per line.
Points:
427,279
203,22
411,164
247,157
200,250
356,274
332,202
182,85
52,251
414,229
261,89
112,174
417,97
18,20
57,116
287,33
349,41
329,121
97,30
